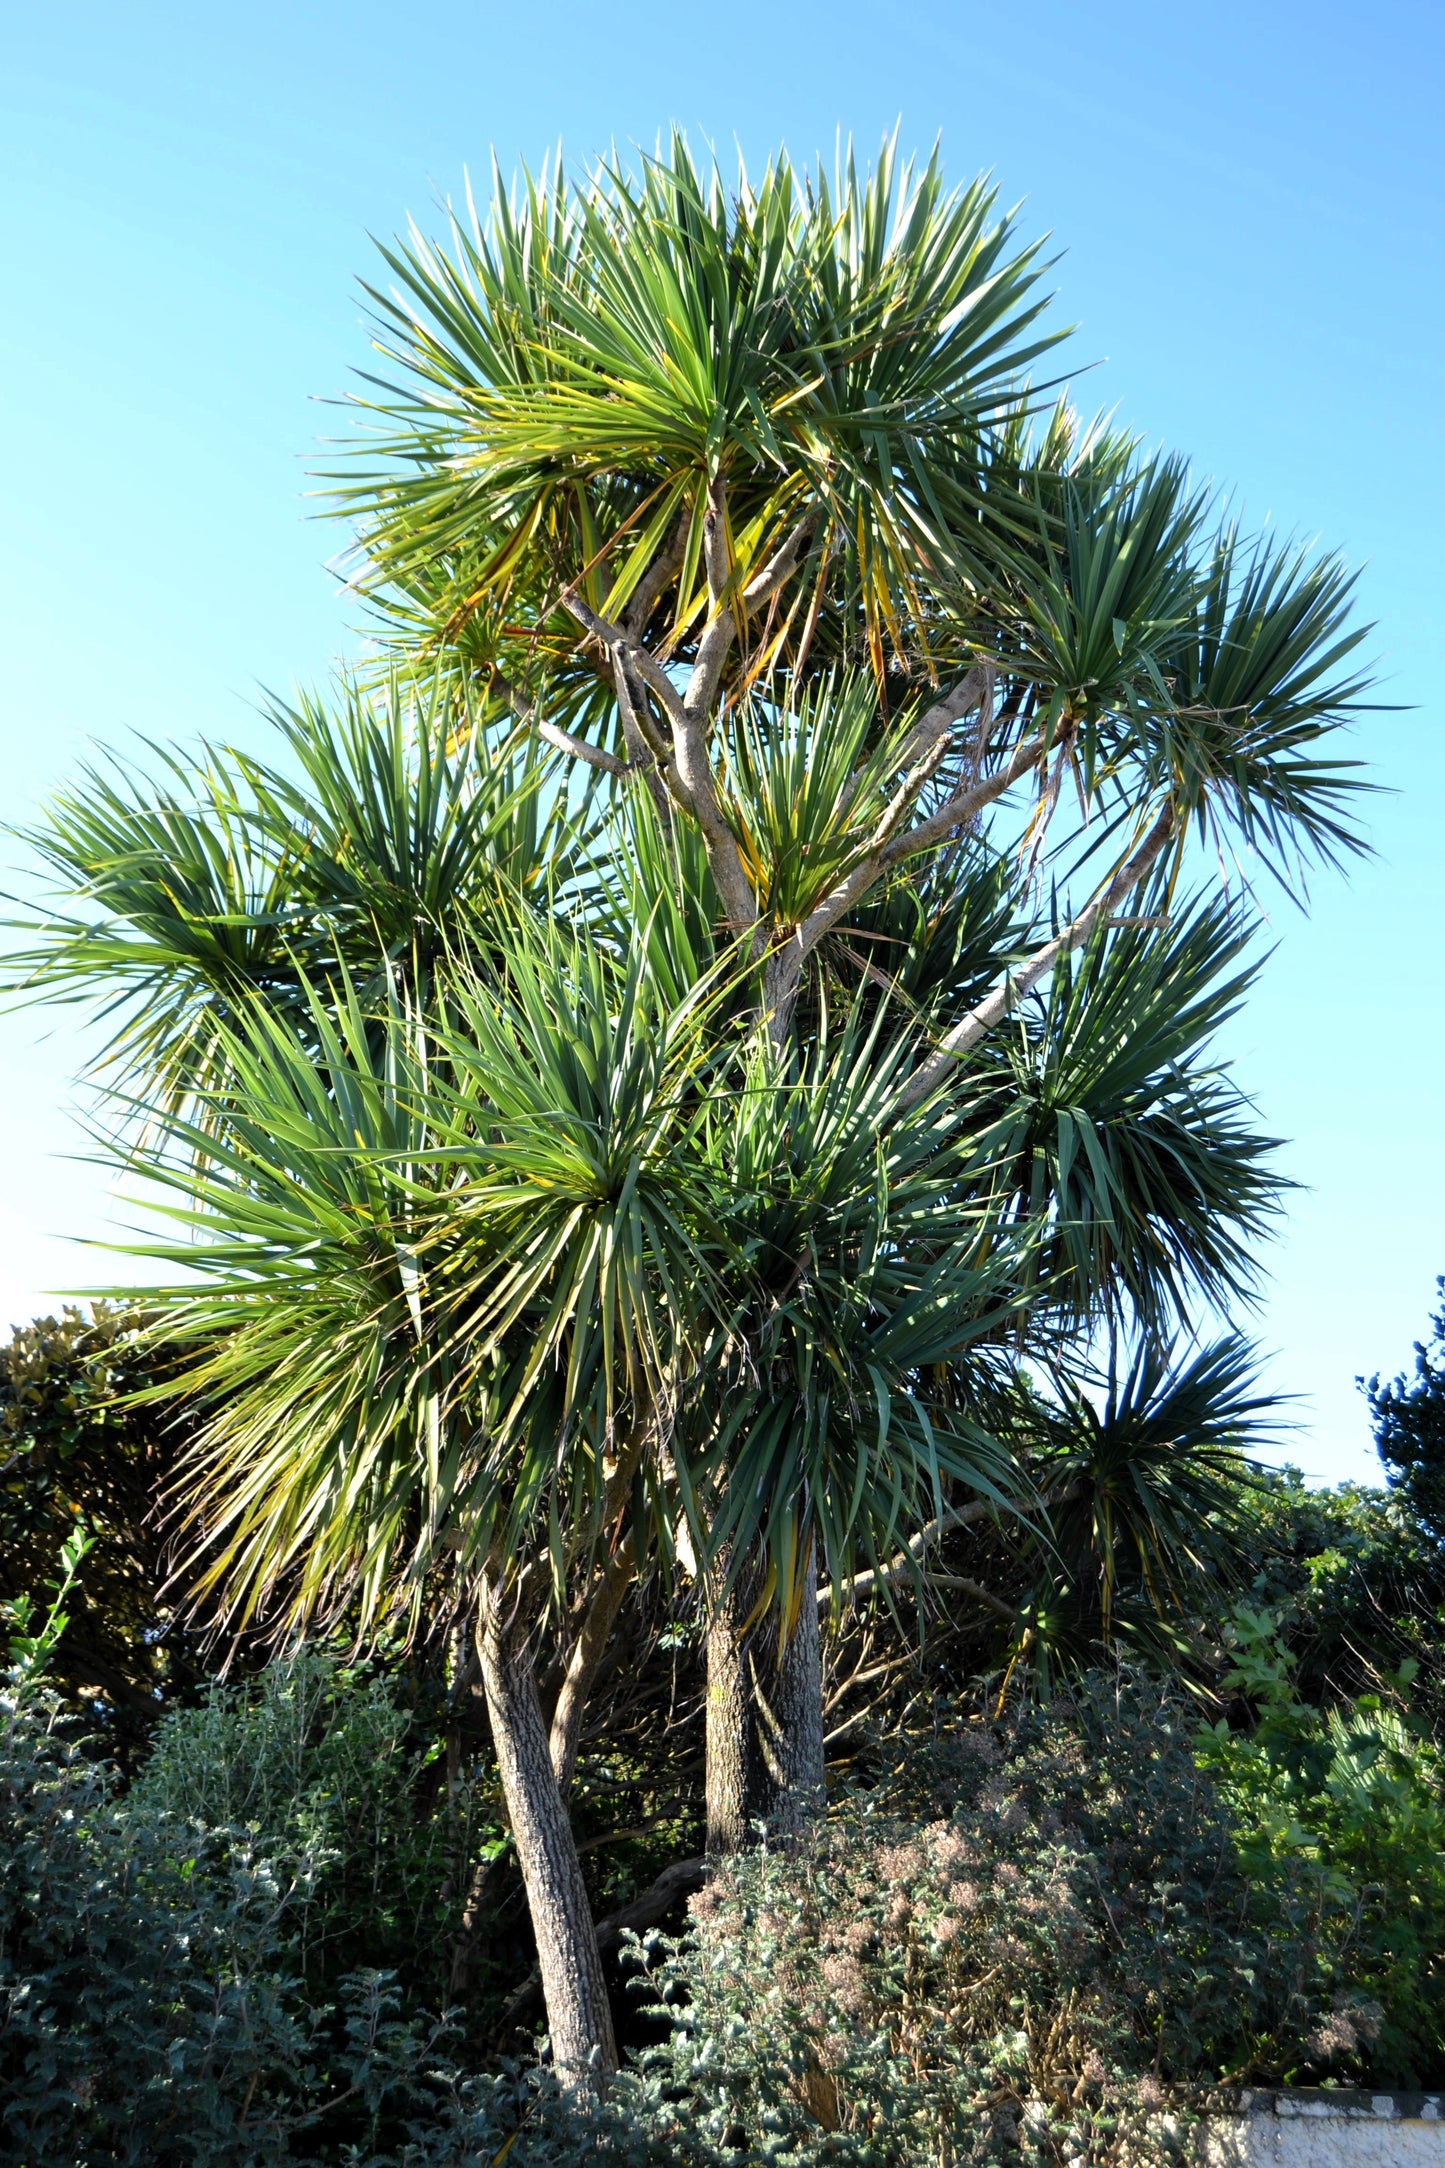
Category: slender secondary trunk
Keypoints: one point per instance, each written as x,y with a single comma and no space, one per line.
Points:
764,1715
585,1662
616,1571
579,2017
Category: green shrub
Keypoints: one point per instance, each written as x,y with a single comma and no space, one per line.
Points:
1045,1942
1030,1945
76,1446
151,2007
1021,1944
313,1765
1347,1806
1356,1583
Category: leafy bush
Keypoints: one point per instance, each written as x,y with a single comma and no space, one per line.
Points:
1024,1949
1048,1942
1018,1944
1356,1584
314,1767
1408,1415
75,1445
151,2007
1347,1805
1033,1944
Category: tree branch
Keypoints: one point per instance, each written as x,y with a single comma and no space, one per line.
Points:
966,1034
862,1584
691,716
885,847
647,749
565,1733
617,641
618,1572
689,775
976,1589
654,582
962,807
526,713
692,723
721,628
784,560
973,689
675,1882
977,1509
928,752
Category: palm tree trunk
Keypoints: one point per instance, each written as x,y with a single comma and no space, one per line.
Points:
579,2016
764,1715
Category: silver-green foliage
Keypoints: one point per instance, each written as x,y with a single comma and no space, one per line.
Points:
314,1768
1033,1943
1024,1945
152,2008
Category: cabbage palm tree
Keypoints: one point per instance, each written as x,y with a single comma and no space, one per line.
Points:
646,443
801,1165
722,534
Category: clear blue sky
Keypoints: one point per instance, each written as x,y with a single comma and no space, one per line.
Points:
1248,195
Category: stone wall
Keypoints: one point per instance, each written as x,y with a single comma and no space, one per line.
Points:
1307,2129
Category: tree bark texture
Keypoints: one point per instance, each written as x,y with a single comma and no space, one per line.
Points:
764,1716
579,2016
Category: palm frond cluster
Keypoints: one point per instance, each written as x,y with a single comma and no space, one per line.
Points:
487,1183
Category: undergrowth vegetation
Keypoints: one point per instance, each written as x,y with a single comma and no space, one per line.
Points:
1052,1937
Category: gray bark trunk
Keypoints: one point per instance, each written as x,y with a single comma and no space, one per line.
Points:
764,1717
579,2016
